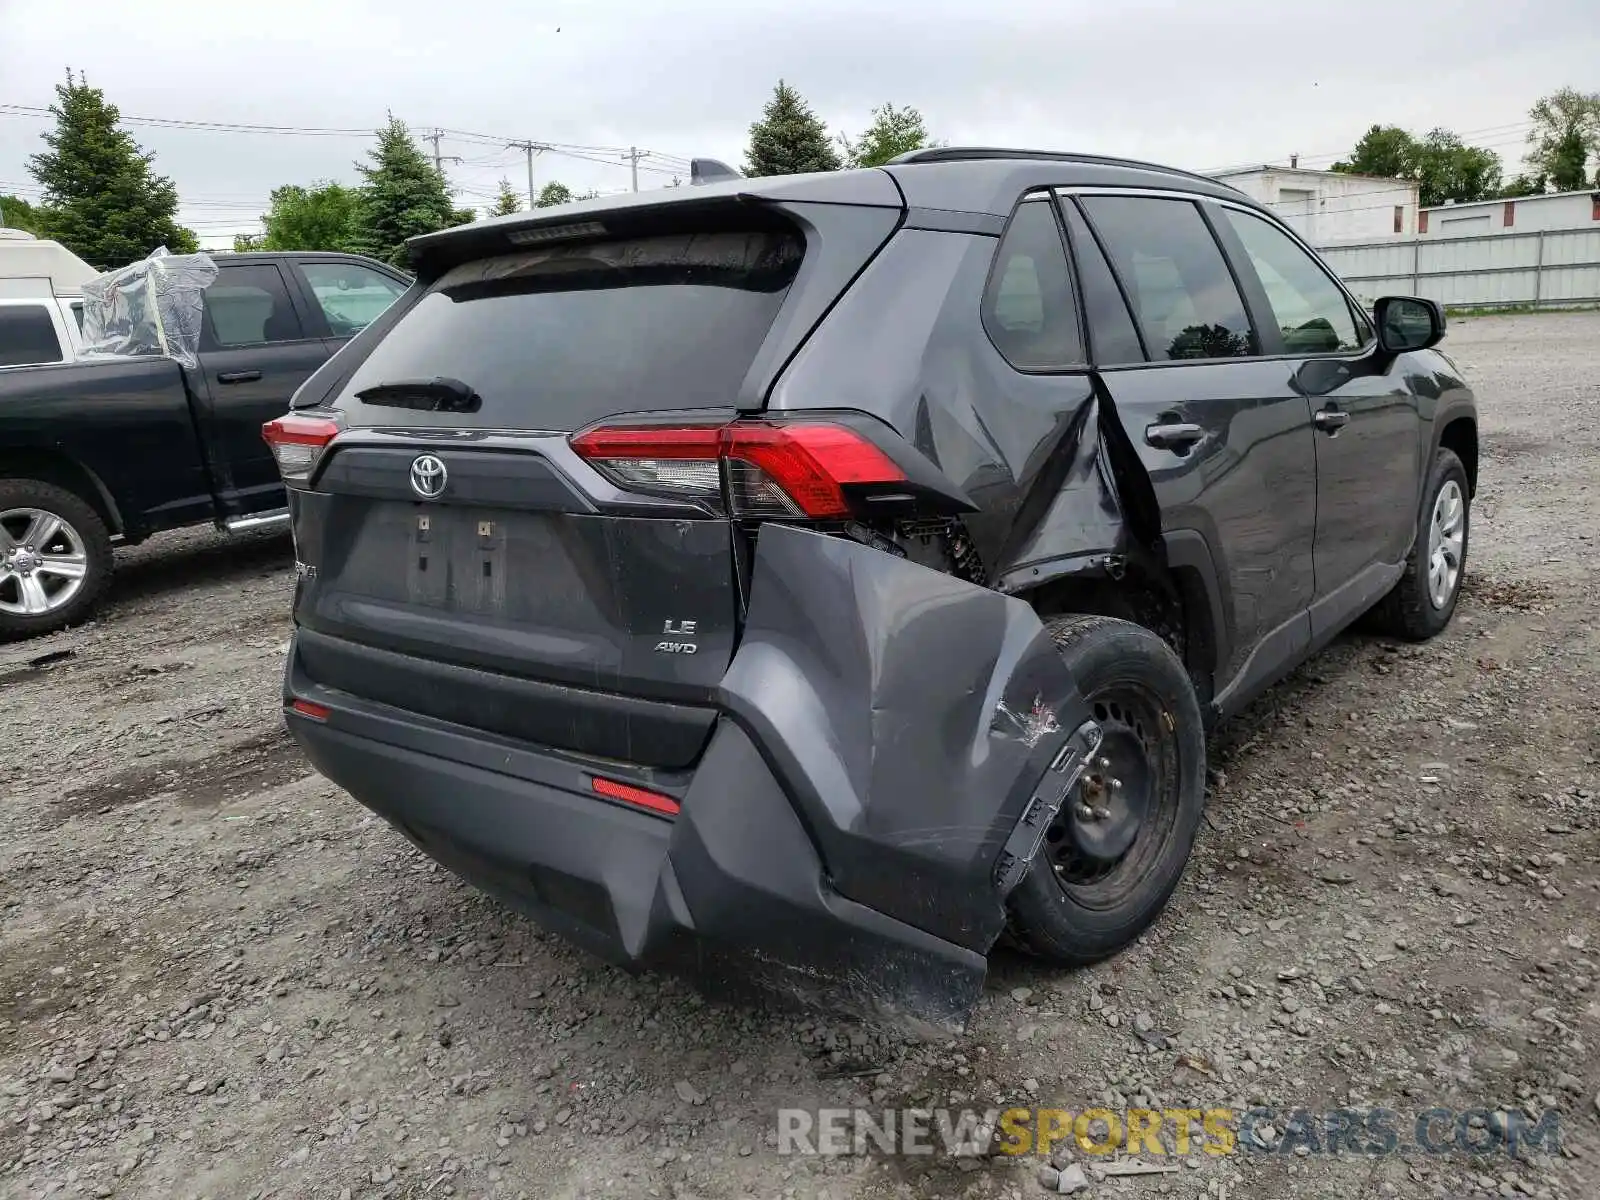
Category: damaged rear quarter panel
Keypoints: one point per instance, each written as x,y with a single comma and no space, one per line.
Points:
1034,451
910,715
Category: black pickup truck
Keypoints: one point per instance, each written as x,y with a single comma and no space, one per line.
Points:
117,449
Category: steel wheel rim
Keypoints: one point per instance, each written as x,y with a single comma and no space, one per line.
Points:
1139,752
43,562
1447,543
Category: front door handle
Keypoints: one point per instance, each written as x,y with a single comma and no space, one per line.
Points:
1175,435
238,376
1331,420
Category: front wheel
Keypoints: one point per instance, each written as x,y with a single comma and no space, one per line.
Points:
1424,600
55,558
1117,849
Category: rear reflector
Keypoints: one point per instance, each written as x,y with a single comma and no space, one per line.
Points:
297,442
654,801
317,712
773,470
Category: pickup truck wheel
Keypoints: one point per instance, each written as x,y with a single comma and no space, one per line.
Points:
1424,600
55,557
1116,851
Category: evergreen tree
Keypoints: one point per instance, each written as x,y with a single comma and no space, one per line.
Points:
402,196
507,202
894,131
101,199
789,139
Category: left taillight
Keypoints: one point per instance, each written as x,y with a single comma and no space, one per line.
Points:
788,469
297,441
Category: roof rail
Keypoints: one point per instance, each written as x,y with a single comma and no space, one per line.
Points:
979,153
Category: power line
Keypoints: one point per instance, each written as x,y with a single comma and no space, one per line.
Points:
30,110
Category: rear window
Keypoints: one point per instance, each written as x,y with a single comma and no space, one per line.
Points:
557,337
27,336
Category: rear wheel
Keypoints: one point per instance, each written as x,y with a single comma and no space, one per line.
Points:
1424,600
55,557
1116,851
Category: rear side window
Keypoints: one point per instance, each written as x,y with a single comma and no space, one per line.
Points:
1028,308
558,337
1112,337
1184,297
350,295
27,336
247,306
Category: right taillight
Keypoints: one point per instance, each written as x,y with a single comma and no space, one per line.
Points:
791,469
297,442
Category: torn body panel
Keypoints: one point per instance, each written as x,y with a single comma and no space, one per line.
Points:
889,743
1059,486
911,715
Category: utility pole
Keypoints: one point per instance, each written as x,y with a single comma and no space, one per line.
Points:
633,156
530,149
440,159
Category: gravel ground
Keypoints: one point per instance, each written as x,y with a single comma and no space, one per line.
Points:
221,977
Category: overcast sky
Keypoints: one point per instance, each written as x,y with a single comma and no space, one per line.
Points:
1199,85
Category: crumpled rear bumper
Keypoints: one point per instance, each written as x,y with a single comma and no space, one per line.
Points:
892,743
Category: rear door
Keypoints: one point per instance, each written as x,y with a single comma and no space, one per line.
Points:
255,350
1368,433
1224,438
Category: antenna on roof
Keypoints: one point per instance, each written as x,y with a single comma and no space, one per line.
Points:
709,170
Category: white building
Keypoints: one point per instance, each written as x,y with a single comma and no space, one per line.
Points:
1529,214
1327,206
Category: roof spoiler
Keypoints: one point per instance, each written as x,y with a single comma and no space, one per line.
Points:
709,170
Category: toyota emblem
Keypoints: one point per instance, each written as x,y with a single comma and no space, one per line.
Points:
428,477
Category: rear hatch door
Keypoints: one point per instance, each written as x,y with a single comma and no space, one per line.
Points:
461,561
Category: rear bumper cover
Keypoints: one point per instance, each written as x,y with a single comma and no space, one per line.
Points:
886,744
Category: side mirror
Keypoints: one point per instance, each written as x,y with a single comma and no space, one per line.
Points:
1408,323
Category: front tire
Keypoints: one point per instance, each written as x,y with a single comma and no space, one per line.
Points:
55,558
1424,600
1116,852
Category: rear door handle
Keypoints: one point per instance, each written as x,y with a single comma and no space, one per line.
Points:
1331,420
1174,435
238,376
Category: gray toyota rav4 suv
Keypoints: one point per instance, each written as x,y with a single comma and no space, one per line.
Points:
811,581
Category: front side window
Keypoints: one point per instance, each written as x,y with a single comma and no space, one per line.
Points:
248,305
1028,309
350,295
27,336
1307,305
1184,297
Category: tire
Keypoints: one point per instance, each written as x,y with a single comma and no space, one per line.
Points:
36,593
1073,909
1413,610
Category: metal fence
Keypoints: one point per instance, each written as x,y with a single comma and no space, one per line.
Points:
1546,268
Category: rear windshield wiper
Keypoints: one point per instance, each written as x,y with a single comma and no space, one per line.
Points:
430,395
